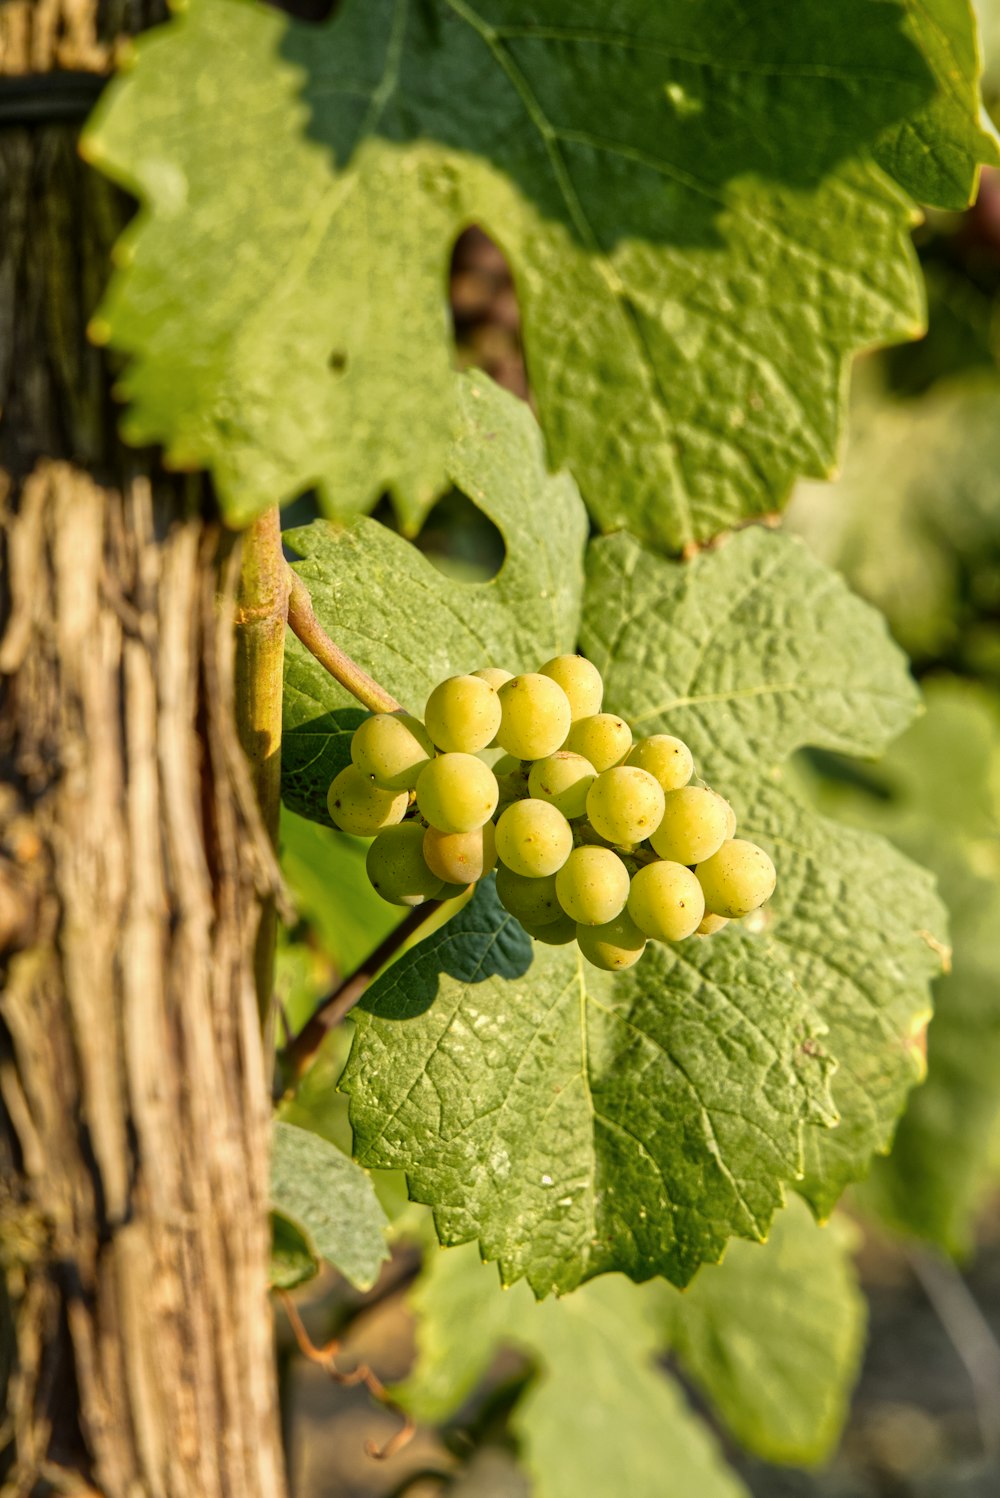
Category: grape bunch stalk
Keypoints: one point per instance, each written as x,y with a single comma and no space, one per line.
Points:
595,837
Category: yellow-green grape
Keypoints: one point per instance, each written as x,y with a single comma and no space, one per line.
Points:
730,821
564,780
460,857
668,759
625,804
457,793
535,716
393,748
397,868
666,901
710,924
738,878
602,738
593,885
533,901
533,838
616,945
462,714
580,680
494,676
693,826
557,933
356,804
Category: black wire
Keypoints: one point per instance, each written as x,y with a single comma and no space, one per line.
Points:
49,98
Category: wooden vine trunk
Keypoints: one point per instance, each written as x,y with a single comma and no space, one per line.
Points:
134,1099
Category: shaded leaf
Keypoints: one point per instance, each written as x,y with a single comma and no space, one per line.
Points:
699,232
329,1201
773,1337
599,1418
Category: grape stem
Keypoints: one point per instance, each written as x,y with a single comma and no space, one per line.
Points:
303,623
300,1052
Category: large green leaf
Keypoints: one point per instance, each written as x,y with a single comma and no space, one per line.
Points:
411,626
576,1123
939,799
688,193
749,652
773,1337
330,1202
599,1418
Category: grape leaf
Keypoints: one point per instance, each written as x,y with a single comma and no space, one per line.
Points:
773,1337
292,1259
599,1418
938,797
577,1123
329,1201
748,653
411,626
688,193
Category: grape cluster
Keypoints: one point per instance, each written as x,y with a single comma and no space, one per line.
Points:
595,837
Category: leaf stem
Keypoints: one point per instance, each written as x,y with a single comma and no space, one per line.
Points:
261,611
300,1052
303,621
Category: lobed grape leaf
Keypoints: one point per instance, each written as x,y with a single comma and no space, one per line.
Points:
599,1417
694,197
773,1337
330,1205
577,1123
408,624
937,795
748,653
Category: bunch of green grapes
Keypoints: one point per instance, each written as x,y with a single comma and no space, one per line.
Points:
596,838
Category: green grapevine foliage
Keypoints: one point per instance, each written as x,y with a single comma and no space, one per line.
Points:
705,205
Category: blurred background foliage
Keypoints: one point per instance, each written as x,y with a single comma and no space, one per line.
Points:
913,522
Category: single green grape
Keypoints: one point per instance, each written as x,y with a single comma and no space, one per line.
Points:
535,716
397,868
580,680
356,804
533,901
494,676
614,946
668,759
736,879
693,825
711,923
593,886
457,793
392,748
460,857
730,821
563,779
666,901
533,838
557,933
625,804
462,714
602,738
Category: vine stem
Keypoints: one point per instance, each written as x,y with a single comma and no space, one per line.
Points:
261,612
303,622
301,1051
